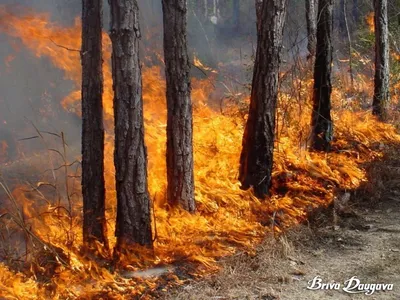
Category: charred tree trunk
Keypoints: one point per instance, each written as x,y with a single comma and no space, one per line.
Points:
180,176
256,159
381,92
93,190
130,156
311,18
321,116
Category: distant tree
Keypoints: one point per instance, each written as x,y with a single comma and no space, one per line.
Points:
311,18
355,13
322,129
180,190
381,92
236,14
341,17
133,224
93,190
256,159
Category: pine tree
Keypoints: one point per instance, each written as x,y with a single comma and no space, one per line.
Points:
133,224
256,159
180,190
93,190
381,92
322,129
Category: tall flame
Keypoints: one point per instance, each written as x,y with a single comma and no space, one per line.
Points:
227,218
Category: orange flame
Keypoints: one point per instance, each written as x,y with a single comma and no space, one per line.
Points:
227,218
370,19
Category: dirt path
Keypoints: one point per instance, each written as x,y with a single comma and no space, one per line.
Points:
369,249
364,241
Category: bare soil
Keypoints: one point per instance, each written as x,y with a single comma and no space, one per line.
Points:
358,236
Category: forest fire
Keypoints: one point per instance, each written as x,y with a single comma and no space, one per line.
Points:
227,218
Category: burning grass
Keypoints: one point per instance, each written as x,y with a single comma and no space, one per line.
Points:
228,219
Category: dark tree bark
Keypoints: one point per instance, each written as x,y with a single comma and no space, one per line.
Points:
321,116
130,156
381,92
180,176
256,159
341,18
311,17
355,13
258,13
93,190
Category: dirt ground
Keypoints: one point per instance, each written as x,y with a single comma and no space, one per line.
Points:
359,236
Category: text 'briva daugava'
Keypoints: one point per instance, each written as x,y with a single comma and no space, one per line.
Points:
352,286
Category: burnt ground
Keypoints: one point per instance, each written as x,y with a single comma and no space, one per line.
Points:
358,236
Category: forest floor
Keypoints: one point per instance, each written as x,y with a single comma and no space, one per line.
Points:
360,238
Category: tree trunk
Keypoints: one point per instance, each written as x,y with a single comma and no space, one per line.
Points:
258,13
341,20
236,14
321,116
350,45
256,159
130,156
311,17
93,190
381,92
215,8
180,176
355,13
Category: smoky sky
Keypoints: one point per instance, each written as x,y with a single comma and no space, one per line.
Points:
31,85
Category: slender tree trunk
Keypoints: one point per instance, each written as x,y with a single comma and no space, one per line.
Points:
93,190
381,93
350,45
258,13
236,14
355,13
180,176
130,156
258,141
321,117
341,20
311,17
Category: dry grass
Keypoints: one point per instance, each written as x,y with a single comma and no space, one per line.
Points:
247,275
280,261
383,178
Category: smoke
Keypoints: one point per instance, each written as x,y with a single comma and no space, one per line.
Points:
31,91
32,88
